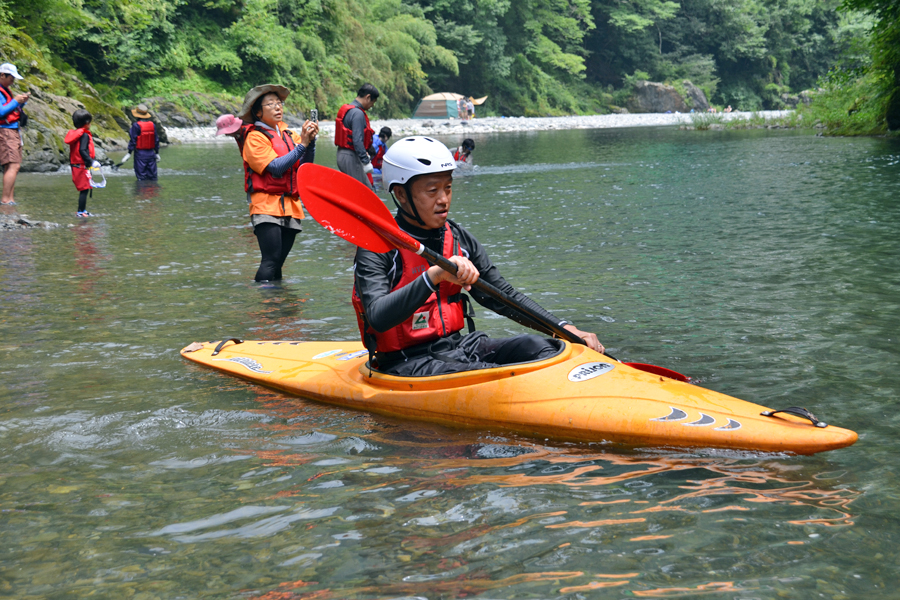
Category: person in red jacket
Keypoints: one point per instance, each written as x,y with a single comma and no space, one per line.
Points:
81,157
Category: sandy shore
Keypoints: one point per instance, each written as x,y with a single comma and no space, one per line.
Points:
438,127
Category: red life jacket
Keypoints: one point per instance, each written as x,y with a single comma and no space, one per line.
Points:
241,136
441,315
343,137
268,183
456,155
73,139
146,140
15,115
378,159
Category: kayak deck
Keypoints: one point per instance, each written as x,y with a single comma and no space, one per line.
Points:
577,395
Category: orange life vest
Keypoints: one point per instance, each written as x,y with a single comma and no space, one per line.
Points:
266,182
73,139
146,140
15,115
441,315
343,137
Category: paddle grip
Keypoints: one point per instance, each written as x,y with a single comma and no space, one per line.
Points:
500,296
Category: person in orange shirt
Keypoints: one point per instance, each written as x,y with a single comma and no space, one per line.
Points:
272,154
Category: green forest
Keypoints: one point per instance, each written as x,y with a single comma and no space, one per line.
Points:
531,57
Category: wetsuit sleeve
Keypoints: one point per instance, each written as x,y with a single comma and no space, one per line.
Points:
373,279
278,166
85,151
355,121
490,274
133,134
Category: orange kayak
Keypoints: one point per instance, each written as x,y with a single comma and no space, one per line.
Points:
577,395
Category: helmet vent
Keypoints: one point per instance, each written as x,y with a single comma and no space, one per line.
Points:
424,161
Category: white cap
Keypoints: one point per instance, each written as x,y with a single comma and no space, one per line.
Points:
10,69
413,156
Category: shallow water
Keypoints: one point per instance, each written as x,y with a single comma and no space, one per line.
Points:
762,263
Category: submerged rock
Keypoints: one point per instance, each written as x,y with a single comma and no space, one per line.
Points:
16,221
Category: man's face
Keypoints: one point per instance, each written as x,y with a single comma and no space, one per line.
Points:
367,102
432,195
6,80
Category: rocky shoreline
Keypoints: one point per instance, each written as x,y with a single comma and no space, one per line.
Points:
488,125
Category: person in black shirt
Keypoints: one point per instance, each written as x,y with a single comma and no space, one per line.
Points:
410,314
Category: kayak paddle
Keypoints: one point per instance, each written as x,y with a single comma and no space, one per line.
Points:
350,210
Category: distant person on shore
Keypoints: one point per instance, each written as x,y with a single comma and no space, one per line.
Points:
11,116
272,154
463,154
234,128
81,157
728,109
144,144
470,109
461,111
353,134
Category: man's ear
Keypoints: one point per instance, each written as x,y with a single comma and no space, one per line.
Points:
400,193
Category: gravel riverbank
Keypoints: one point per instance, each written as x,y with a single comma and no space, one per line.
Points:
405,127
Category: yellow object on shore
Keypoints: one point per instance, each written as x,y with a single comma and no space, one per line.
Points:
577,395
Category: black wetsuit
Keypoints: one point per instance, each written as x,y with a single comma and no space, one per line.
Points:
377,274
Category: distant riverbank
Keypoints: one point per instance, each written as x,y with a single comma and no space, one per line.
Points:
405,127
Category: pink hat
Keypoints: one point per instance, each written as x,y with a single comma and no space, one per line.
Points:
227,124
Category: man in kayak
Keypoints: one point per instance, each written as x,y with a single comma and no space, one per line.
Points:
410,314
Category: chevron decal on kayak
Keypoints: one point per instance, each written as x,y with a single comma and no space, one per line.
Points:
703,421
675,415
732,425
246,362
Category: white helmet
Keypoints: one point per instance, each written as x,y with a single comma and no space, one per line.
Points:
412,156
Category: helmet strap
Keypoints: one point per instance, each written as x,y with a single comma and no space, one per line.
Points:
409,200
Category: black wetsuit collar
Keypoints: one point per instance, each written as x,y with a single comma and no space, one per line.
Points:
433,239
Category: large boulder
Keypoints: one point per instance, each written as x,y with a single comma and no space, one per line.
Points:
651,97
695,98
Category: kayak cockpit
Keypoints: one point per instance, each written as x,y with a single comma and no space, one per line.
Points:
468,378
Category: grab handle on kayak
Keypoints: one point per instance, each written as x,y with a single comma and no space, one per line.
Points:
797,411
223,342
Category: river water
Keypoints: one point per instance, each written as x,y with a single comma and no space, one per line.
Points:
762,263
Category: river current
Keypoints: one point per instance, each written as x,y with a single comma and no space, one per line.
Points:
762,263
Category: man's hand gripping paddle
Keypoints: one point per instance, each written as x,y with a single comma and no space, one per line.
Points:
350,210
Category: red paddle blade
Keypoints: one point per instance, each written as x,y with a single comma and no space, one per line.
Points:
347,208
659,371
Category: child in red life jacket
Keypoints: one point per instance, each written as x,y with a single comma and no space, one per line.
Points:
81,157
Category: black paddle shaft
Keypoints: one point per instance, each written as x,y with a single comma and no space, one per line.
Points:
483,286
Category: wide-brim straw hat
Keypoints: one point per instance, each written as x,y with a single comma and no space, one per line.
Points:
141,111
227,124
255,93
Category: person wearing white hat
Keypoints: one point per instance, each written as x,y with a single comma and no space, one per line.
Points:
10,136
410,314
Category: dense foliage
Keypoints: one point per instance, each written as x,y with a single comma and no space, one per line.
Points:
862,95
530,56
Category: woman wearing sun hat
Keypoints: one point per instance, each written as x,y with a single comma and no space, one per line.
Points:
143,143
272,154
